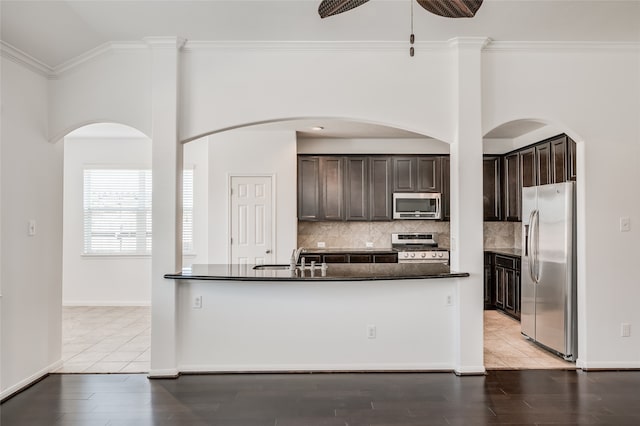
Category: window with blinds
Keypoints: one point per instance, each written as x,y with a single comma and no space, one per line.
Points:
117,211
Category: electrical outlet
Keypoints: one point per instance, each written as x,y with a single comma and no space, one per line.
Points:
197,302
371,331
625,329
449,300
368,244
321,244
625,224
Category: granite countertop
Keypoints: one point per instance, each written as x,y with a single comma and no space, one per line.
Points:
335,272
348,250
515,252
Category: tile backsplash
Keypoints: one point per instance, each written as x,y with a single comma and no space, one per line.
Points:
502,235
358,234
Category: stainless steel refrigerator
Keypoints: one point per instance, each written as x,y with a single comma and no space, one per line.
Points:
548,274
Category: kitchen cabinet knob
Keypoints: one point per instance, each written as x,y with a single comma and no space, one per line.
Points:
268,251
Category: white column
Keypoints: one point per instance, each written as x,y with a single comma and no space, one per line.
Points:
466,203
167,203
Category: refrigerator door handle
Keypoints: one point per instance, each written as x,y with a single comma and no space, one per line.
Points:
529,245
535,243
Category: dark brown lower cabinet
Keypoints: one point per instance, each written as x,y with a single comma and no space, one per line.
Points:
360,258
335,258
385,258
351,257
502,284
489,302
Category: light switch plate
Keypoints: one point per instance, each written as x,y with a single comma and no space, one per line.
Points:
625,224
31,228
321,244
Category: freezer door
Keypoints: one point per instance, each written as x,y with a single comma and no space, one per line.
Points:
528,288
553,266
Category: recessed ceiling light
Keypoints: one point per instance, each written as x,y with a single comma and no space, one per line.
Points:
317,128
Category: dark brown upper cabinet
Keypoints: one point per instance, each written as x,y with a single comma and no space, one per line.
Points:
360,187
491,185
429,174
417,174
543,164
308,188
320,188
512,187
571,148
331,188
528,167
405,174
446,188
559,159
380,175
357,188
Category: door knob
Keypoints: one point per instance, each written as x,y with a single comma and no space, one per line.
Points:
268,251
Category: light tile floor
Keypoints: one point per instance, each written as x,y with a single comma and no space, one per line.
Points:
105,339
505,348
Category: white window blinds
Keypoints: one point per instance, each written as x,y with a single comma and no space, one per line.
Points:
117,211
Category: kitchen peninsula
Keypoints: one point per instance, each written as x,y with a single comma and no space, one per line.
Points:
334,272
359,317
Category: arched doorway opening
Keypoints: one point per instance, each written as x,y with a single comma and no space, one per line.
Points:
271,149
106,283
520,154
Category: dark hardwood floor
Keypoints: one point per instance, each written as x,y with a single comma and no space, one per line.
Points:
528,397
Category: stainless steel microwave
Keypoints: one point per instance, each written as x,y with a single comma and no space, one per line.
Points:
417,205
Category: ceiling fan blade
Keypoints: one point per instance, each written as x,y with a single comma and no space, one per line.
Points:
333,7
452,8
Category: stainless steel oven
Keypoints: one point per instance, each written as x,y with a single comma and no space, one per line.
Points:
418,247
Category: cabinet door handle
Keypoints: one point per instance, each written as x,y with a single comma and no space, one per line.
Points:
268,251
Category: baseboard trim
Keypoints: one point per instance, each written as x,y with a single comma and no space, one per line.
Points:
470,371
29,381
603,366
305,368
100,303
170,373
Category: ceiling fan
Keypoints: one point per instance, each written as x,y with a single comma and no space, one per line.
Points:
446,8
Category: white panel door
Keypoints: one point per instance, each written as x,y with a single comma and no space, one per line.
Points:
251,220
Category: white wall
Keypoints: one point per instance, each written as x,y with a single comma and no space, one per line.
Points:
31,271
110,88
371,146
222,88
252,153
94,280
594,97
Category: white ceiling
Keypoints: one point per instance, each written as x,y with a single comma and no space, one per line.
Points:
55,32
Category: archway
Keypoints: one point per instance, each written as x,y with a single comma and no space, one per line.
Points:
273,147
106,280
523,153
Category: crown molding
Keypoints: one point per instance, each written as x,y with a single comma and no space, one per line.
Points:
18,56
561,46
97,51
175,43
478,43
311,46
485,44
